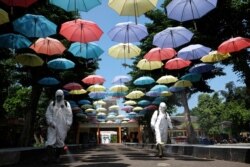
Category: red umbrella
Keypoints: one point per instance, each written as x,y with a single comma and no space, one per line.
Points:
151,107
48,46
234,45
93,79
177,63
81,31
72,86
159,54
21,3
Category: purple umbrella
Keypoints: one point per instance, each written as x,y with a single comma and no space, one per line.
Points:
201,68
120,79
193,52
152,93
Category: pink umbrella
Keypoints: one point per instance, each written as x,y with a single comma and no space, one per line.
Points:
159,54
81,31
177,63
93,79
48,46
72,86
234,45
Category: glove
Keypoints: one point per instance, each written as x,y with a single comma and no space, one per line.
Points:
52,125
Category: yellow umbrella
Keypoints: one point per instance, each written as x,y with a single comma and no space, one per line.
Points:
4,18
144,64
215,56
89,110
114,107
29,59
99,102
118,88
130,102
77,92
137,108
96,88
166,93
167,79
183,83
86,106
136,94
101,109
124,50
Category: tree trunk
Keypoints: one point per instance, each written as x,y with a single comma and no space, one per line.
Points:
29,117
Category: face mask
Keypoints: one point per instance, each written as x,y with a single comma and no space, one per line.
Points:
58,98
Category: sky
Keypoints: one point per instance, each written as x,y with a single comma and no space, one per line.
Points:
110,67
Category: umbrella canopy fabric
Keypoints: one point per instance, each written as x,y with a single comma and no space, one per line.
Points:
14,41
72,86
22,3
151,107
77,92
97,95
152,93
99,102
184,10
127,32
82,31
214,56
193,52
144,102
127,108
137,108
86,50
4,17
192,77
120,79
166,93
177,63
118,88
144,64
96,88
61,64
117,94
114,107
167,79
29,59
93,79
144,80
201,68
172,37
76,5
136,94
130,102
48,46
183,83
48,81
160,54
34,26
124,51
159,88
176,89
83,101
234,45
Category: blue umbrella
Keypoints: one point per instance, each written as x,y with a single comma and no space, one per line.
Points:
76,5
86,50
61,64
127,32
120,79
48,81
174,89
158,100
143,102
82,102
34,26
14,41
159,88
97,95
152,93
145,80
193,52
117,94
192,77
201,68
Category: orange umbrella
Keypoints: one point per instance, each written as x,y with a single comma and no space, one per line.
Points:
177,63
234,45
93,79
159,54
72,86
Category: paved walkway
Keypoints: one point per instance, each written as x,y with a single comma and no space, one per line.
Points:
116,155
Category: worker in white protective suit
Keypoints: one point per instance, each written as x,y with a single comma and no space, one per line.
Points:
59,119
160,122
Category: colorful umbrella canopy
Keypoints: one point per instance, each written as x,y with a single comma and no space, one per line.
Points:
214,56
124,51
118,88
201,68
120,79
29,59
130,102
48,46
48,81
137,108
72,86
192,77
127,32
159,88
184,10
82,31
76,5
4,17
151,107
166,93
96,88
167,79
83,101
172,37
86,50
144,80
114,107
61,64
93,79
144,102
159,54
152,93
86,106
97,95
14,41
34,26
177,63
183,83
99,102
117,94
193,52
77,92
176,89
127,108
144,64
22,3
234,45
136,94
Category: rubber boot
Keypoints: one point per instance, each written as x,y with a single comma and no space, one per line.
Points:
160,150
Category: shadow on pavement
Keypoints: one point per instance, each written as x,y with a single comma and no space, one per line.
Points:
102,158
105,165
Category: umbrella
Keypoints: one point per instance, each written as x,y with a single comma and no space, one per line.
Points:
4,17
201,68
72,86
77,92
144,102
183,83
84,102
14,41
193,52
152,93
167,79
48,46
97,95
176,89
159,54
117,94
127,32
22,3
86,106
34,26
114,107
136,94
124,50
118,88
144,64
192,77
96,88
86,50
120,79
214,56
172,37
29,59
100,102
144,80
184,10
151,107
159,88
130,102
177,63
76,5
61,64
166,93
93,79
137,108
234,45
127,108
48,81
